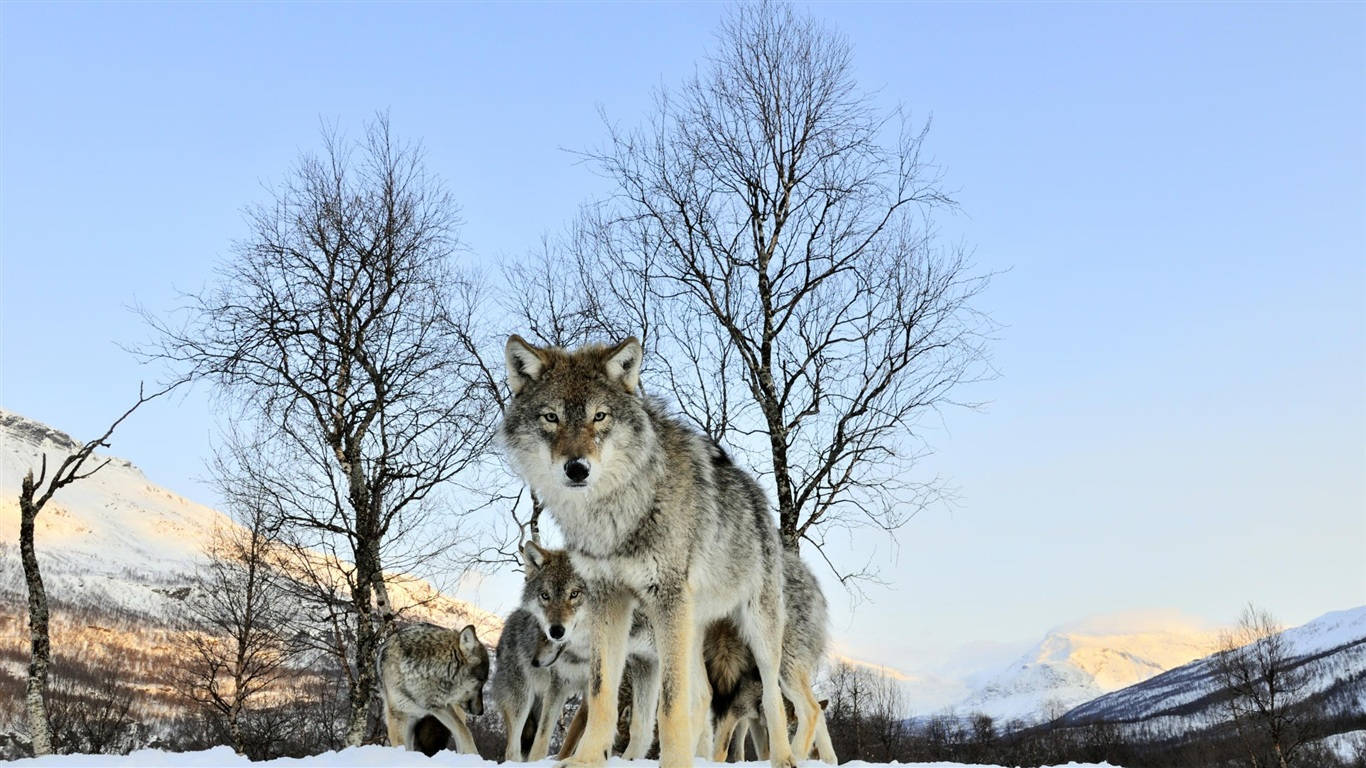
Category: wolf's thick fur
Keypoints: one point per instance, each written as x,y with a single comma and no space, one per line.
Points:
736,690
429,670
653,513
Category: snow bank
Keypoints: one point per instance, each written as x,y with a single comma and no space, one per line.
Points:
360,757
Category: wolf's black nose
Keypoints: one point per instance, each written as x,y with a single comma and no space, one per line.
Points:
556,631
576,470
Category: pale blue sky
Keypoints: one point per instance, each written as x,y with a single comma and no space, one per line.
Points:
1178,191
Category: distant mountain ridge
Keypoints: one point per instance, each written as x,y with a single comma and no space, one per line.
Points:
1332,648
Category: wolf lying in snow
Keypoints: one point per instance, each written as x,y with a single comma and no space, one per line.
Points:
653,515
429,670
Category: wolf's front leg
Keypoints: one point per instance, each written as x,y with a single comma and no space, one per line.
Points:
671,616
611,624
552,704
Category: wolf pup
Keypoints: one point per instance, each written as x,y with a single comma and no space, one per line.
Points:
429,670
652,513
543,658
535,636
736,690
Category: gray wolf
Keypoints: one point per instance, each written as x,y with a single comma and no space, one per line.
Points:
734,678
429,670
543,657
653,515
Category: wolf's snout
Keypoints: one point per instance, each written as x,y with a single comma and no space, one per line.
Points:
556,631
576,470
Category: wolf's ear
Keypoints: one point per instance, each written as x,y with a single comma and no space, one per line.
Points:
469,641
535,556
525,363
623,363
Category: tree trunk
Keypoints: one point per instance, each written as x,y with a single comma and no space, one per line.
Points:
40,646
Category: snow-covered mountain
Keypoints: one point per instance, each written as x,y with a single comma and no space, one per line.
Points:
1078,662
1330,649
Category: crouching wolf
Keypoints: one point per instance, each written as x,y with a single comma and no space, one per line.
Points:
429,670
652,513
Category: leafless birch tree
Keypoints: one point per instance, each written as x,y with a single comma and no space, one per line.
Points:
1264,684
776,230
34,494
336,329
240,617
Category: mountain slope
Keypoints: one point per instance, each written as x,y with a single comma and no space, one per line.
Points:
116,539
1331,648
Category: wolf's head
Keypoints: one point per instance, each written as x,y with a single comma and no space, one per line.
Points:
554,592
576,424
473,661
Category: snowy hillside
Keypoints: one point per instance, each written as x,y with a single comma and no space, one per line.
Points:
1332,648
366,757
118,553
1079,662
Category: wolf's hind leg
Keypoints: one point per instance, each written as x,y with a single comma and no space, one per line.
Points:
454,719
725,732
797,688
763,628
824,749
395,725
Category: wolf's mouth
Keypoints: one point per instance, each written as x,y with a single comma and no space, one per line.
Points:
576,484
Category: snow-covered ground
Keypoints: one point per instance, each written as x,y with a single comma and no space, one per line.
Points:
360,757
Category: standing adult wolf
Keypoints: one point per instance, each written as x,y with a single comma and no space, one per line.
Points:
652,513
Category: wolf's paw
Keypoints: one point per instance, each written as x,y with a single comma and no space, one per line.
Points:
783,762
580,761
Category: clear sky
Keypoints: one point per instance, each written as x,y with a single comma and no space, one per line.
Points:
1177,190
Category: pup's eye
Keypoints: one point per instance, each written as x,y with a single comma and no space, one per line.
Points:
545,596
550,417
600,415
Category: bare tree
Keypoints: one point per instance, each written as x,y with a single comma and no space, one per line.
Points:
777,231
34,494
337,330
1264,683
239,617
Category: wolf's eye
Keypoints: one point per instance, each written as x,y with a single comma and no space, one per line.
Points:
600,415
550,417
574,595
545,596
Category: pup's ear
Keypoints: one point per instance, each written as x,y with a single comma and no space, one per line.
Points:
525,363
623,364
469,641
535,556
